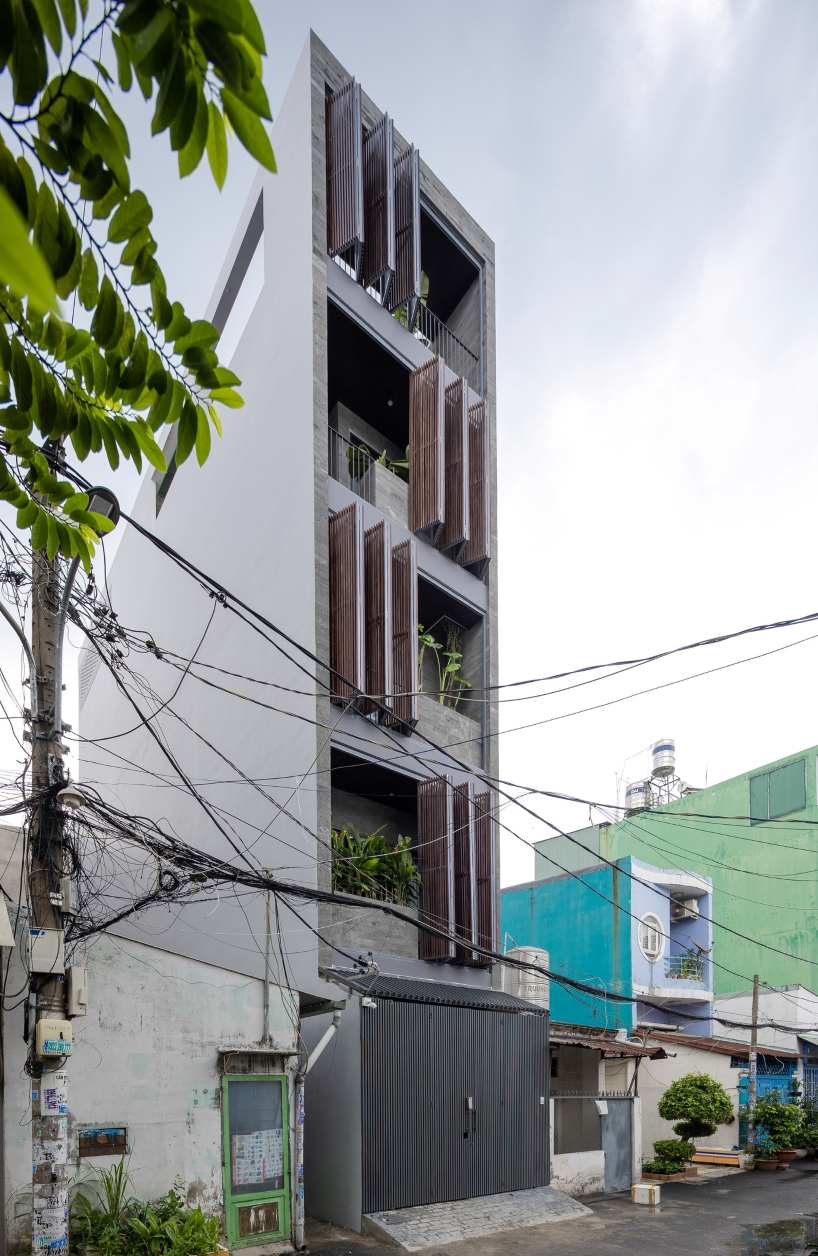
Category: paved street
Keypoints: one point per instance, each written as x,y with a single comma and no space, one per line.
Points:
742,1215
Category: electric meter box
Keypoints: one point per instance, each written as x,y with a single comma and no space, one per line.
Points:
46,949
54,1038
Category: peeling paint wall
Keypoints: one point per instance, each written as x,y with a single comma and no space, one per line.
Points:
146,1056
579,1172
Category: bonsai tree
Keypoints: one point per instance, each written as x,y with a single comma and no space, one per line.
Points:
781,1122
698,1104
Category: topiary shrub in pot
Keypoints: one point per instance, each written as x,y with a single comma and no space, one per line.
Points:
698,1104
670,1156
782,1123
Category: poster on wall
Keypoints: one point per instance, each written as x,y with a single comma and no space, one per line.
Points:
49,1222
258,1157
54,1099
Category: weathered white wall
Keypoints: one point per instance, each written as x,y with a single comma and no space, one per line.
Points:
579,1172
656,1075
145,1056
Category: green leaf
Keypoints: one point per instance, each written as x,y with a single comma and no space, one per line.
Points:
22,265
179,325
214,418
170,97
53,542
21,375
202,436
144,42
69,16
200,332
39,533
216,144
123,61
100,139
191,154
29,62
188,430
250,129
82,548
100,523
252,27
225,376
227,13
118,128
132,215
147,443
181,128
103,324
50,22
89,281
26,515
79,501
227,397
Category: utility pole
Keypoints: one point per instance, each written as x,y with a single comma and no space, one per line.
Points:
753,1079
49,1097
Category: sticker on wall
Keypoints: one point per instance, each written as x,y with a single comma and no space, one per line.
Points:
55,1095
51,1150
257,1157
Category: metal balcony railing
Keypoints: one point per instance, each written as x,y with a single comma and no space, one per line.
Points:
440,339
685,968
351,465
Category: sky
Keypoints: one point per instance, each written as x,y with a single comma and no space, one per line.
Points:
647,171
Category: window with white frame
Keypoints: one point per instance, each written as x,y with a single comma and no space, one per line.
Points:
651,937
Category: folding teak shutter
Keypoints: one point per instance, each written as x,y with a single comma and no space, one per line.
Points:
483,832
378,618
379,207
434,856
346,599
465,881
455,531
404,635
406,285
345,186
477,548
427,447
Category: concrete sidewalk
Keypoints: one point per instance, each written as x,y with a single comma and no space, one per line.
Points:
743,1214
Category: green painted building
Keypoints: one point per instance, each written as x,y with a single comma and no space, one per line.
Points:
756,836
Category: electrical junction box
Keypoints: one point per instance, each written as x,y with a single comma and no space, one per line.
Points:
77,1002
46,951
54,1038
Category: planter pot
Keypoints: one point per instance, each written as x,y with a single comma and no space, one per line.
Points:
691,1171
663,1177
767,1166
786,1155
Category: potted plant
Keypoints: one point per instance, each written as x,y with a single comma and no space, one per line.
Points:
764,1159
698,1104
809,1128
782,1123
671,1157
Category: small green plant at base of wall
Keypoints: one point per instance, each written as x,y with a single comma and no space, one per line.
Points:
114,1224
670,1156
368,865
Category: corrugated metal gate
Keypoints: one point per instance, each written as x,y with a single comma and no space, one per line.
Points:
455,1103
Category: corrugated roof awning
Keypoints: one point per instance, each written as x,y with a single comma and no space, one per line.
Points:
600,1040
721,1046
450,994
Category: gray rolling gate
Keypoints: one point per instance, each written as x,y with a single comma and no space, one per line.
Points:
454,1093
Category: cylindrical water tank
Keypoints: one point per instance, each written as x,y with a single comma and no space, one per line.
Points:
525,983
664,757
637,797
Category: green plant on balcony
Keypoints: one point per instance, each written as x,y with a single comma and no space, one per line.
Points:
400,312
359,460
369,865
398,466
449,663
686,967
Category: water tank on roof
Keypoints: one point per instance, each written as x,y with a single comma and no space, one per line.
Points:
525,983
664,757
637,797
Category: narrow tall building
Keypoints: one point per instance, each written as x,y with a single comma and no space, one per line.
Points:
352,503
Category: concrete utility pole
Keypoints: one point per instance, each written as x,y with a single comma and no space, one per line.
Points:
49,1098
753,1079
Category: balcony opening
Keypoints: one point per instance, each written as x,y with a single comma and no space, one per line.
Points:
374,812
450,651
368,402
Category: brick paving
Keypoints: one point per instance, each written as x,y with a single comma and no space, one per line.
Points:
416,1229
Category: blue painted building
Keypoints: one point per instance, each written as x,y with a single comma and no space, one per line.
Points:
627,928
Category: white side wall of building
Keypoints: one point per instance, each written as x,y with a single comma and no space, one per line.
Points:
146,1056
656,1075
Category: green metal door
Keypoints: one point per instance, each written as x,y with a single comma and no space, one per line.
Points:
255,1155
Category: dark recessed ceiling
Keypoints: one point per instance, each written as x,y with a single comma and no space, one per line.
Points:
365,377
450,272
357,776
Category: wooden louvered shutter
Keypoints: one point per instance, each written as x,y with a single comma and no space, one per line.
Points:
379,207
478,547
455,530
465,885
345,187
406,285
483,832
427,447
346,599
378,617
434,858
404,635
